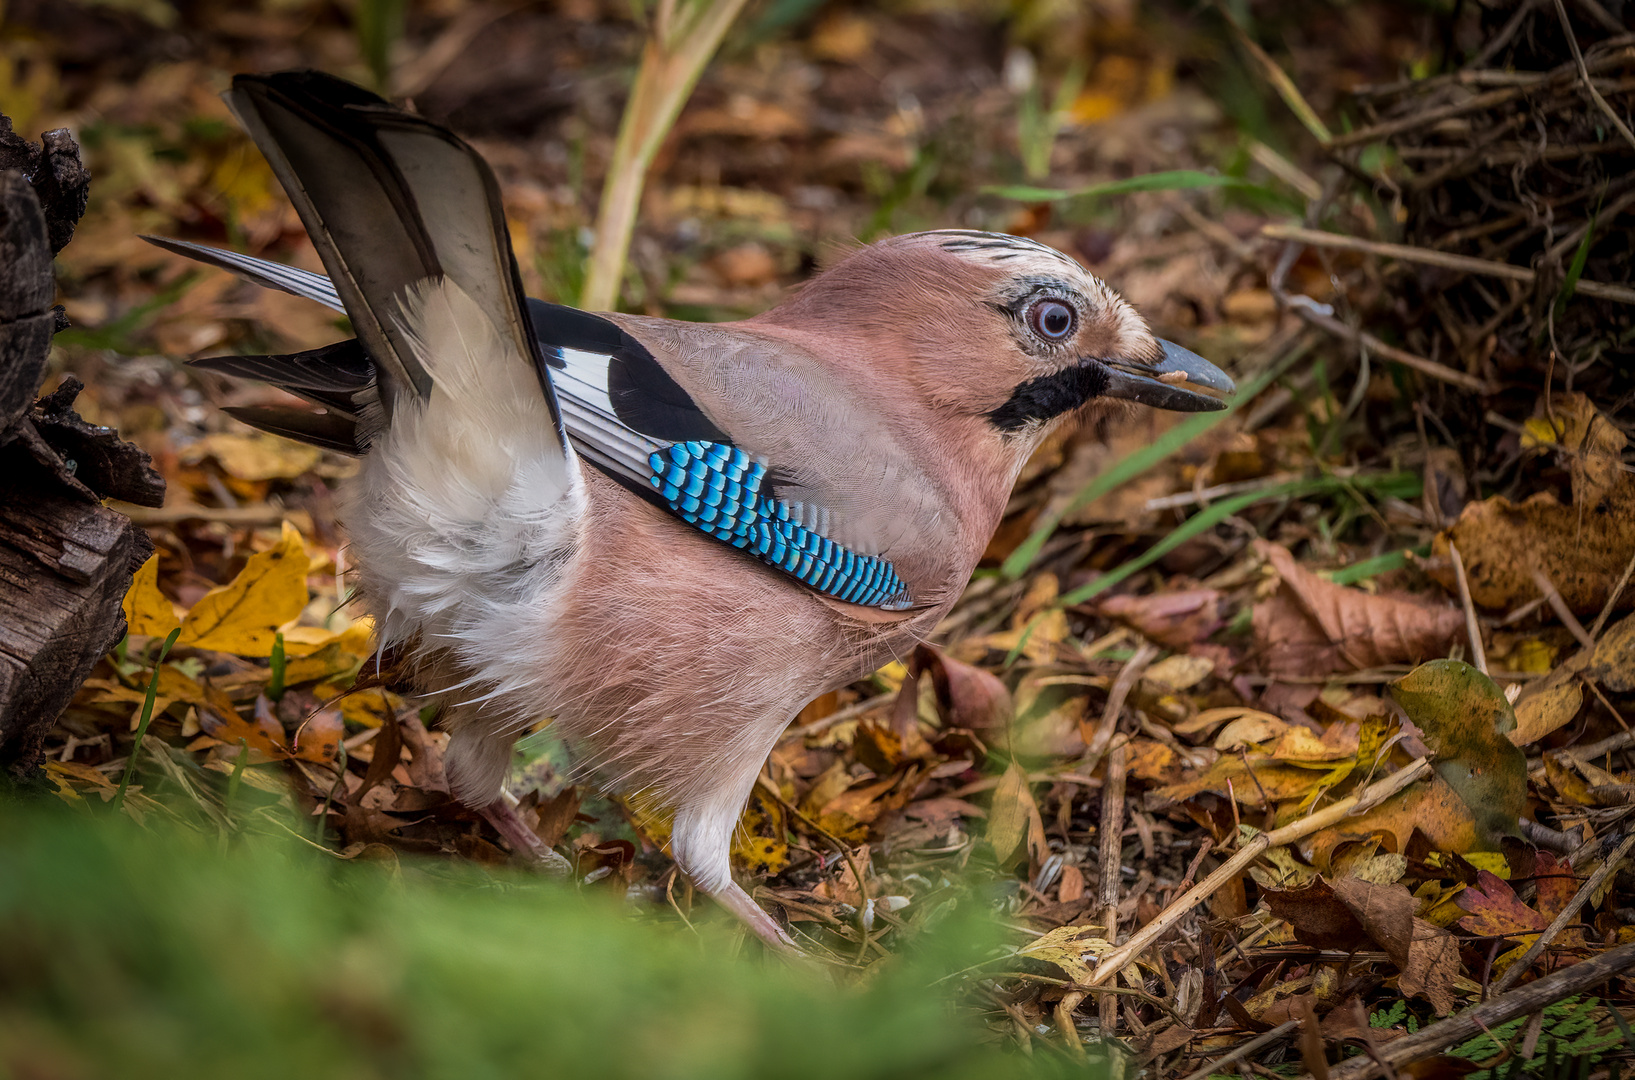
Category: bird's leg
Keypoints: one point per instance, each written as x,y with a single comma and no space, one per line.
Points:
752,915
502,814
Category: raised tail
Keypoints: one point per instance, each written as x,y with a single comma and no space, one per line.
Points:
407,220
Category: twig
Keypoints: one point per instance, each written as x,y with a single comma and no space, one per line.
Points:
1492,1012
1127,677
1612,598
1112,835
1250,1047
1372,795
1565,916
1435,370
1473,630
1559,606
1584,75
1447,261
1590,752
839,716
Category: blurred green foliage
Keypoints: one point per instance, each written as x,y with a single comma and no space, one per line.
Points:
136,952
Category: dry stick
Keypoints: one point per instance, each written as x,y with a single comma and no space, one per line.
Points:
1473,630
1584,75
1492,1012
680,44
1390,352
1566,915
1370,796
1112,861
1462,263
1559,606
1127,676
1612,598
1244,1051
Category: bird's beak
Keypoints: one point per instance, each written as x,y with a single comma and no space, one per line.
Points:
1136,382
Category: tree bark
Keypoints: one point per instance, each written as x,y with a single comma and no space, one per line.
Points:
65,559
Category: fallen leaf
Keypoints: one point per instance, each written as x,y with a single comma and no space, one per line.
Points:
318,739
1545,710
1013,819
1386,913
1465,719
255,457
760,844
1613,662
1363,629
1495,910
147,610
1339,742
265,736
1433,966
1179,672
243,616
1071,948
1319,917
1172,619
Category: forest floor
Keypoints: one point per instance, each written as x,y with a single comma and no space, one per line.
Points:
1408,540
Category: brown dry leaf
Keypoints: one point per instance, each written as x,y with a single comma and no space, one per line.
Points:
1432,807
264,737
1595,445
1172,619
1386,912
1014,825
1361,629
1568,785
967,696
1250,730
319,738
1204,721
1581,548
1613,662
1433,966
1546,710
1319,917
1495,910
1557,886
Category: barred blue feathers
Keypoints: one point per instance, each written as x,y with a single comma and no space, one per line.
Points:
717,488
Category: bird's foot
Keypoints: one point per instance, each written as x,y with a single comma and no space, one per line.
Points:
752,915
502,814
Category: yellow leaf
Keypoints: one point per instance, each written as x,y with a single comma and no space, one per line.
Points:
1012,818
147,611
243,616
256,457
1493,862
1070,948
306,640
760,844
369,708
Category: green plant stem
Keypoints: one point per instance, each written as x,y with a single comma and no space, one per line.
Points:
680,44
147,717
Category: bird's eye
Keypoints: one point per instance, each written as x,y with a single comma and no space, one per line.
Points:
1052,319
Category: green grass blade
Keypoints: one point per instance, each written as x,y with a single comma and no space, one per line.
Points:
147,718
1379,564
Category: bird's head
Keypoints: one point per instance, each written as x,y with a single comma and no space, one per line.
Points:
999,328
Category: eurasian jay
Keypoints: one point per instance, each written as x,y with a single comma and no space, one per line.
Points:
773,508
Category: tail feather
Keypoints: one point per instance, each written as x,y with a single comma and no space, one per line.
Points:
390,200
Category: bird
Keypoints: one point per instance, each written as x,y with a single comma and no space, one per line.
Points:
666,537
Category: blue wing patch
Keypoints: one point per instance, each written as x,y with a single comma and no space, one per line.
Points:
717,488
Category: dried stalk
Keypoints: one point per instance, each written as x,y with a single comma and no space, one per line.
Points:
1241,1052
1461,263
1552,596
1370,796
684,36
1565,916
1584,74
1112,847
1473,629
1491,1013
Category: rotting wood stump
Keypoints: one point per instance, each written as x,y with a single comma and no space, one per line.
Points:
65,559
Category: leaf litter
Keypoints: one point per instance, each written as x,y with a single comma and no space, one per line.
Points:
1300,637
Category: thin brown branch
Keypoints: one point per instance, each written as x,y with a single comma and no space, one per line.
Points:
1473,629
1492,1012
1446,260
1553,597
1112,860
1584,76
1127,678
1370,796
1564,916
1252,1046
1612,598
